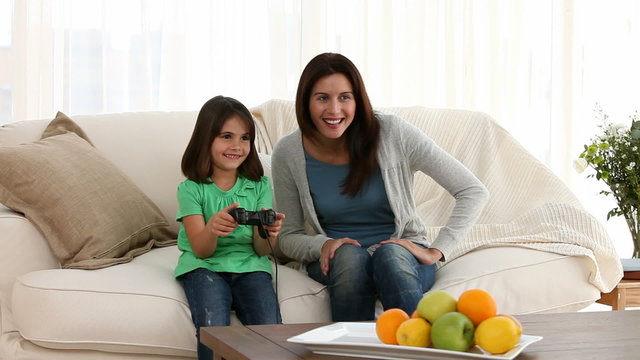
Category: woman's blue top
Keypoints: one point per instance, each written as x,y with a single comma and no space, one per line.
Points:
367,217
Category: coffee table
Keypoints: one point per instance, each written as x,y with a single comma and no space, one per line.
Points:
579,335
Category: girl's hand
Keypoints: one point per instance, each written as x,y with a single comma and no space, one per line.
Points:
424,256
329,251
262,246
274,229
222,223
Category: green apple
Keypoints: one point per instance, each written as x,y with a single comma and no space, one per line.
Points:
435,304
452,331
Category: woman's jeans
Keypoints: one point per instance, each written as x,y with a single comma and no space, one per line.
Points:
212,296
356,277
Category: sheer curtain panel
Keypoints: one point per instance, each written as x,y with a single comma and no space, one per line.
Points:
538,67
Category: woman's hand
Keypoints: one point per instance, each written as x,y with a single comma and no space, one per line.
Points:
329,251
424,256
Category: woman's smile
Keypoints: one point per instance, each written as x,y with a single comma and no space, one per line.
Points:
332,105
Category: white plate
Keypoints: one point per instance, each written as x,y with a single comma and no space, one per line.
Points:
360,340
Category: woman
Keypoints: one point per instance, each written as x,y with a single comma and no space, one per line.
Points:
348,173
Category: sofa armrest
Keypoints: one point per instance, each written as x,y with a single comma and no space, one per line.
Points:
23,249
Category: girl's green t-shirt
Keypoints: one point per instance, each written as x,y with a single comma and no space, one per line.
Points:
234,252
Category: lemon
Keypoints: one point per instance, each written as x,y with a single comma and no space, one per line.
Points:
414,332
497,334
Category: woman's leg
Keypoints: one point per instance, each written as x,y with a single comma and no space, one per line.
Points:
209,297
351,287
400,279
254,298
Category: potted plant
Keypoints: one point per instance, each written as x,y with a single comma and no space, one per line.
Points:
615,158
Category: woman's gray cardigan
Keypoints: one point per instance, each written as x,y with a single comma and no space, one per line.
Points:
404,149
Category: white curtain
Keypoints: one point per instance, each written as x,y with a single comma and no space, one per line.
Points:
537,66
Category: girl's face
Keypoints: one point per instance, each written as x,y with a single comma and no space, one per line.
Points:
232,146
332,105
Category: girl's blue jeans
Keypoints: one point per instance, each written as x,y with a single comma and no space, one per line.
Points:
212,296
356,279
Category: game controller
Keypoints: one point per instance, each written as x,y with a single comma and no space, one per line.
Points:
257,218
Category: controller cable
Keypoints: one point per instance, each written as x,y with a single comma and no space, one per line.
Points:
275,262
240,215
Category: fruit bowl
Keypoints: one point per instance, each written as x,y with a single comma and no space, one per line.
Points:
360,340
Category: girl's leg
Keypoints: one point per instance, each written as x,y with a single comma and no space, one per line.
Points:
209,297
254,298
400,279
351,287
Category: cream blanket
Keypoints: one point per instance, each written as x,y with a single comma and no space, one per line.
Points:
529,206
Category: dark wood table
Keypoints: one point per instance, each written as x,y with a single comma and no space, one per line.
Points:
580,335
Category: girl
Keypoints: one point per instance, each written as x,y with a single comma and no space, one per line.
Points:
348,173
223,265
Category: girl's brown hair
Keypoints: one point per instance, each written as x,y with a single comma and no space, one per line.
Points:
363,135
197,164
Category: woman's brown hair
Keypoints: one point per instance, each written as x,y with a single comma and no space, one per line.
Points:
363,135
197,164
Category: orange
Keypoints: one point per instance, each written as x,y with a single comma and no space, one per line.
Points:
415,314
477,304
387,324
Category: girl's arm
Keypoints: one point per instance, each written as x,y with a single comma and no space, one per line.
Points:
203,238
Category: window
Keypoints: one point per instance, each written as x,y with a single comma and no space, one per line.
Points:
5,61
537,67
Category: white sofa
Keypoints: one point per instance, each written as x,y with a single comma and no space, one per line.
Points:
534,248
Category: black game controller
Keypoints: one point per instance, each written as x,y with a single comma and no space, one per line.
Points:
258,218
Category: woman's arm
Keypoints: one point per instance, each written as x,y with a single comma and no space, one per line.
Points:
289,182
468,191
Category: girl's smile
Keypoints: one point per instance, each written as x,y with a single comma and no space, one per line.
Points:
231,147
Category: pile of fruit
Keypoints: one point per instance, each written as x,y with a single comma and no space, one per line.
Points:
442,322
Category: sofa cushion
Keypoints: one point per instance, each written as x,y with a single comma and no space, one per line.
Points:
91,214
520,280
137,307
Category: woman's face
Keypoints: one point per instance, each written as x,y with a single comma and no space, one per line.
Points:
332,105
232,146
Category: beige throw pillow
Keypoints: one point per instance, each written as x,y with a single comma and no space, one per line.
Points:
91,214
63,124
